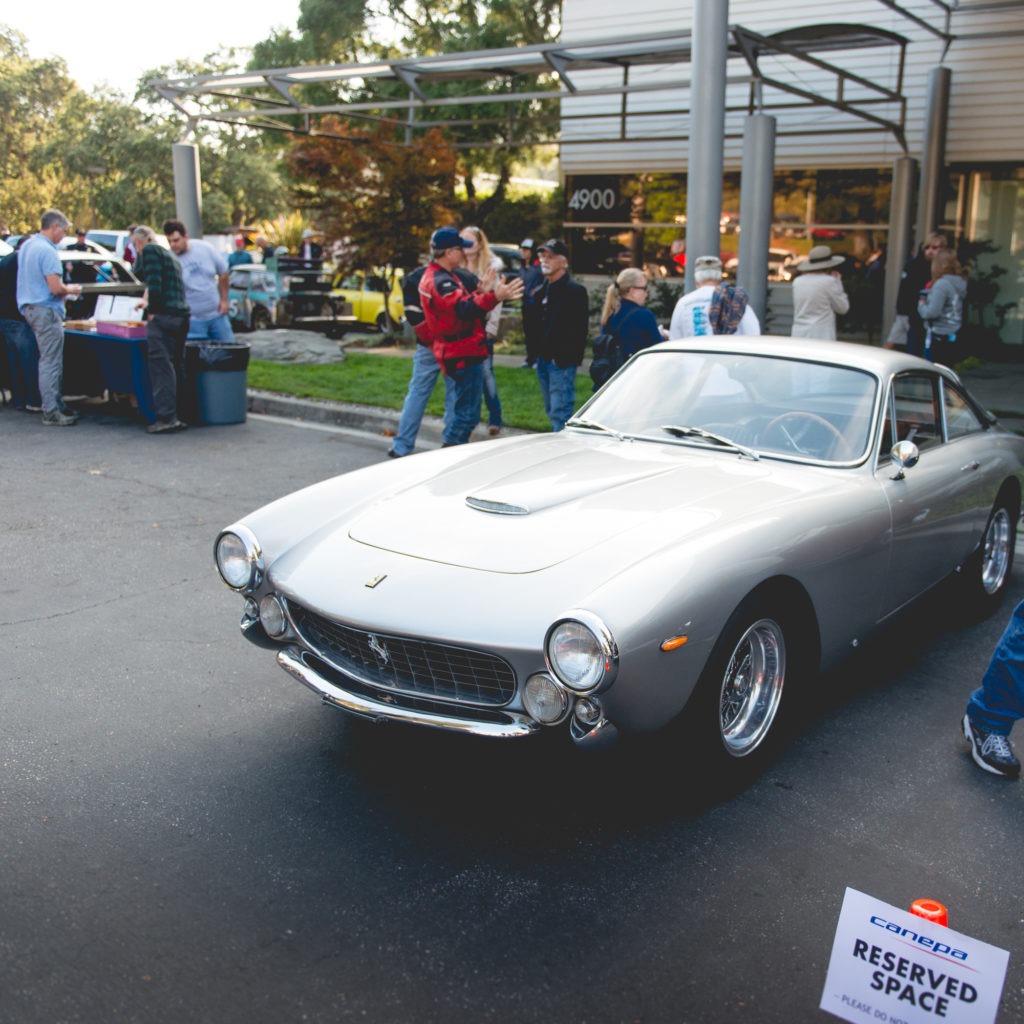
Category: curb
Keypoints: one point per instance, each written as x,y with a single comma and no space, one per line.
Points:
368,419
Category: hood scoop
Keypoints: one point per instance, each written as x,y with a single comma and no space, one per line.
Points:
499,508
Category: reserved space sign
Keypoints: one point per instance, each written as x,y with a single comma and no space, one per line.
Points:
890,966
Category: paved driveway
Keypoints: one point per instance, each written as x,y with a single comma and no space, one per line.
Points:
188,836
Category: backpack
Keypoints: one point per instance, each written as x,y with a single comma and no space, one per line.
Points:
607,358
608,355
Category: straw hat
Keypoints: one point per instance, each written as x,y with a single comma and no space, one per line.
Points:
820,258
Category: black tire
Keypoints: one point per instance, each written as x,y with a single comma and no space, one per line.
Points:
734,722
383,323
261,319
986,574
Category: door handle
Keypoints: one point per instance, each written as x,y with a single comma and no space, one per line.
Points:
970,467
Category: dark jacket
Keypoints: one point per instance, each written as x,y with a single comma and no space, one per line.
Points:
562,312
634,325
8,288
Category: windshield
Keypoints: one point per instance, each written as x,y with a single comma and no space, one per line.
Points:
760,404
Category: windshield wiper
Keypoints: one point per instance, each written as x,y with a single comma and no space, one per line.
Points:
707,435
594,425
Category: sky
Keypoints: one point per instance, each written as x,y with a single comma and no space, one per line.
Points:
115,45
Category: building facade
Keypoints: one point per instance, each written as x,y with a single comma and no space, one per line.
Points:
838,137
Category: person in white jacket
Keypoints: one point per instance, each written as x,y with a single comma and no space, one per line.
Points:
818,295
691,317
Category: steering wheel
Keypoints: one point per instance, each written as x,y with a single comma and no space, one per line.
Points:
798,428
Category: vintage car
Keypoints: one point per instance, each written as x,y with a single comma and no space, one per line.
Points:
366,292
721,521
279,293
99,273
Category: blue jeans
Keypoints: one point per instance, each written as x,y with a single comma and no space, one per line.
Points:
491,399
217,328
558,386
23,357
425,369
999,701
464,412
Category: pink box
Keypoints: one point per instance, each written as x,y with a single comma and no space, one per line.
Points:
119,329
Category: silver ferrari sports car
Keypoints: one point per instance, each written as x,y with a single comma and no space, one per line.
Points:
722,520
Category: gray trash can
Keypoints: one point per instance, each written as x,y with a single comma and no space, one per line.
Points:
217,379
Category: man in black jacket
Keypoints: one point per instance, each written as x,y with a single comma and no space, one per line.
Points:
560,310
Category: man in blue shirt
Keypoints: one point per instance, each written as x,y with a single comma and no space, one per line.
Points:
40,294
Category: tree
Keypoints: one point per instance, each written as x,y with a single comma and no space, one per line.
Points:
351,30
32,95
374,195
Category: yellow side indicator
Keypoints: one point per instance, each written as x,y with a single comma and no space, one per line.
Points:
674,642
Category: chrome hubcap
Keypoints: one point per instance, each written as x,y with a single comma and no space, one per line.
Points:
995,559
752,687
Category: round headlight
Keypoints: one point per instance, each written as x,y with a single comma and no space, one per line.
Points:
581,652
544,699
239,558
272,616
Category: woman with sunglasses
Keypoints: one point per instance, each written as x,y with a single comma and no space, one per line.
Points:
625,315
478,259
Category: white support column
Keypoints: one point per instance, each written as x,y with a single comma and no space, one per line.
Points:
188,198
933,152
757,188
898,248
707,102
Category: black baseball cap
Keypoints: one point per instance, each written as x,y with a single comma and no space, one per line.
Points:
555,246
448,238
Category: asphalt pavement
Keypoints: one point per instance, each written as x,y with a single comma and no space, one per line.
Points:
187,835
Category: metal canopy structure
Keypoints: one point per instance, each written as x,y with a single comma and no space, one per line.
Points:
532,81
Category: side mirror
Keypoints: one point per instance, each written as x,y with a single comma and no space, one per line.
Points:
904,455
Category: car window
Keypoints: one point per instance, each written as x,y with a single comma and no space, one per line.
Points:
961,419
786,407
354,282
239,279
918,415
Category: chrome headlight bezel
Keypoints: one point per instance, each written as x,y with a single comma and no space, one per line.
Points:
247,558
554,691
603,656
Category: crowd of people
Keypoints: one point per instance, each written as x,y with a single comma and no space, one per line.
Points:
185,297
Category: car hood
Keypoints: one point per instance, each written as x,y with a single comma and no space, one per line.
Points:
524,508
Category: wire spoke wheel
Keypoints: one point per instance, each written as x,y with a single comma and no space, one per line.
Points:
995,558
751,688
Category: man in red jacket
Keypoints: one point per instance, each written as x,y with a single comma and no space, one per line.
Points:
454,319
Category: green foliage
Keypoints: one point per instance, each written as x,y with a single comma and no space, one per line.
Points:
537,216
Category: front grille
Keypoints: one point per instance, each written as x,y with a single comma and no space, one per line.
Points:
401,663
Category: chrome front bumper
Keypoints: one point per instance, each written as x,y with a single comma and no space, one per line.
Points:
515,725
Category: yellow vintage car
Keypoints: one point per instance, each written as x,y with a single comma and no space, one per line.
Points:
366,291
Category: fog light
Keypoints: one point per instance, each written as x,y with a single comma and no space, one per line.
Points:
272,616
588,711
544,699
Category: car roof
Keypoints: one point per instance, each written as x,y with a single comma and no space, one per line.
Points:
77,256
881,362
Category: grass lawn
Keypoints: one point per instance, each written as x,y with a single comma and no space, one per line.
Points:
383,380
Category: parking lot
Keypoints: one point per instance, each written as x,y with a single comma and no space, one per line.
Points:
187,835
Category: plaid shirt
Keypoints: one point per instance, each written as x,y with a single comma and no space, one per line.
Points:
161,274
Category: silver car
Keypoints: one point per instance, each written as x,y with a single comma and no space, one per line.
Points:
722,520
